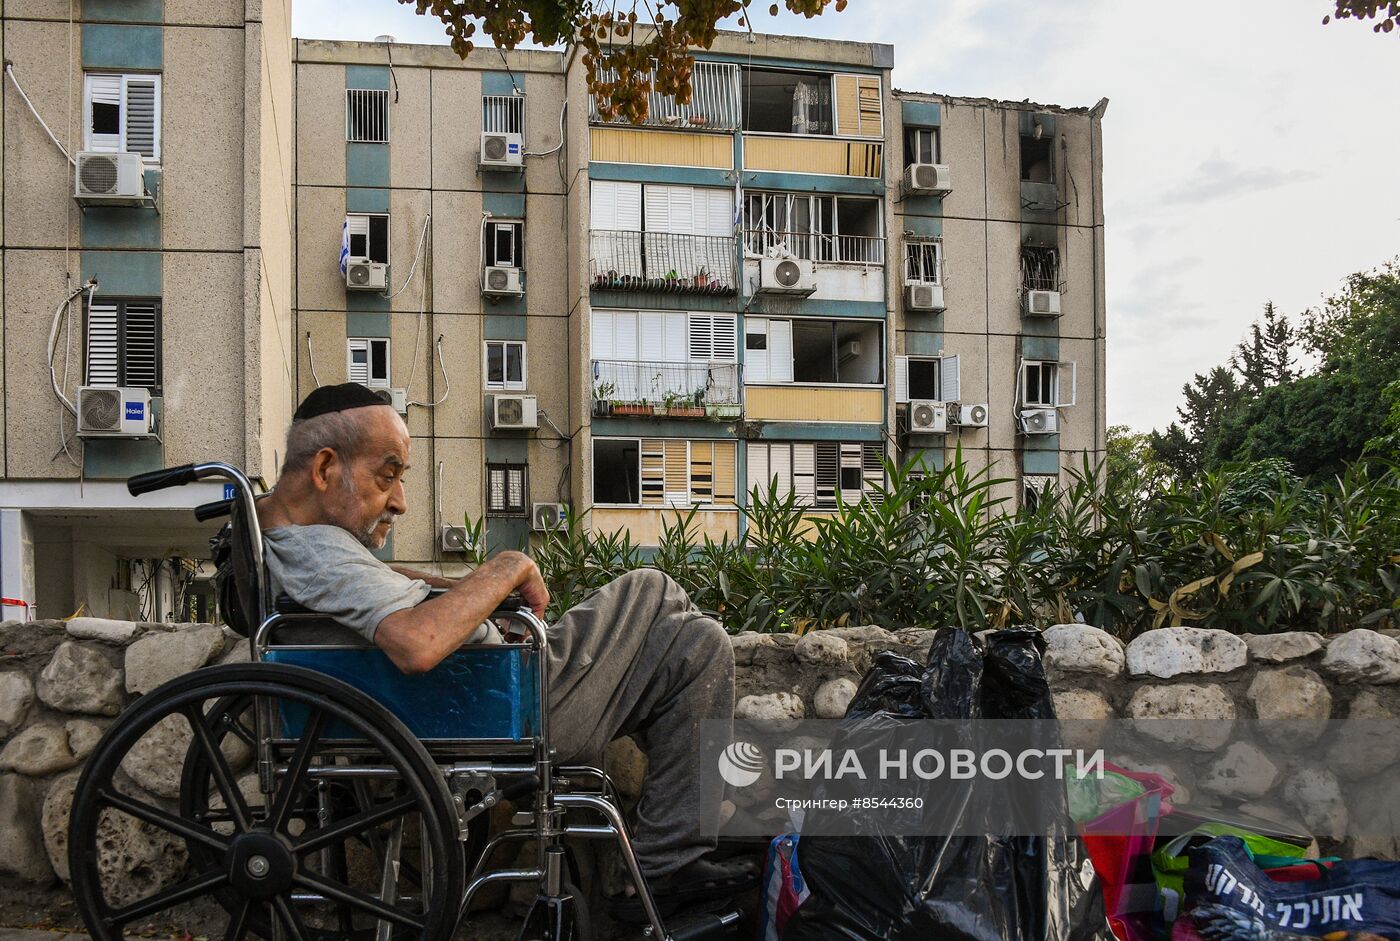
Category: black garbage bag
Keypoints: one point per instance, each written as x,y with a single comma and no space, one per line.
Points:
996,886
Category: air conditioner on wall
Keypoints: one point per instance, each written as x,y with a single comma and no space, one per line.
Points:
546,516
501,151
1040,421
500,281
455,539
107,179
928,179
366,276
921,296
927,417
787,276
512,412
1042,303
969,416
112,412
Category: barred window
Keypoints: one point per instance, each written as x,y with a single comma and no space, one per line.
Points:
367,115
506,489
122,342
503,114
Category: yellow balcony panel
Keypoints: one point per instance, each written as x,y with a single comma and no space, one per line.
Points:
813,155
645,524
661,148
813,403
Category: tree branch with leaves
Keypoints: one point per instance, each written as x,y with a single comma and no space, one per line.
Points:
1385,12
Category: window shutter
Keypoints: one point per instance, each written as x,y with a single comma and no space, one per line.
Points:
872,467
804,483
515,489
653,472
725,337
847,106
677,473
758,474
615,205
950,379
784,460
141,344
723,472
652,337
102,345
901,379
104,90
828,472
780,351
718,212
657,217
496,485
682,210
141,115
1070,371
851,459
756,361
357,361
869,104
702,472
357,230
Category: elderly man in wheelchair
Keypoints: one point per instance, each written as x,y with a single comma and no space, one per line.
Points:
340,785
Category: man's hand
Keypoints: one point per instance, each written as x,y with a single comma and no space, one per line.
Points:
531,586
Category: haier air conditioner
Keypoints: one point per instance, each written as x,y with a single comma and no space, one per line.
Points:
502,151
107,179
113,412
787,276
919,295
512,412
969,416
927,417
361,275
455,539
927,179
1042,303
546,516
501,282
1040,421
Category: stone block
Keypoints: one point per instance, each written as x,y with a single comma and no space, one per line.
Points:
1317,797
771,711
1079,648
1363,656
1281,648
1084,717
1242,772
822,648
1293,705
37,751
79,679
104,630
1363,744
1174,651
83,736
16,695
745,643
1188,715
833,698
21,837
157,658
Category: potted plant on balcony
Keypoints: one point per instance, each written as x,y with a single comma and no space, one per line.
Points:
602,399
723,411
630,408
672,280
698,120
682,405
702,278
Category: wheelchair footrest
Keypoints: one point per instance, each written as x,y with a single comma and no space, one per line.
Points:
696,927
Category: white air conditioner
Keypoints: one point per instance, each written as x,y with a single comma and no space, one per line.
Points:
921,296
366,276
848,351
970,416
1042,303
104,179
455,539
787,276
546,516
112,412
928,179
927,417
513,412
504,282
398,398
1040,421
502,151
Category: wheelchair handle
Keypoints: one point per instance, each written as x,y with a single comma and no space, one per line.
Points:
213,510
161,479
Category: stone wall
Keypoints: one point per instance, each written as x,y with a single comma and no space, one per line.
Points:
61,684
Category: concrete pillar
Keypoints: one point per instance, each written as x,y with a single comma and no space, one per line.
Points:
16,564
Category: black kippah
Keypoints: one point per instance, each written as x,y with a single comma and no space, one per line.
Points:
327,399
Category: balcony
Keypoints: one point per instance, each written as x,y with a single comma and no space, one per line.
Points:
662,262
821,248
713,105
623,388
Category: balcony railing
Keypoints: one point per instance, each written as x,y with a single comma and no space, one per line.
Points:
713,106
823,249
679,390
662,261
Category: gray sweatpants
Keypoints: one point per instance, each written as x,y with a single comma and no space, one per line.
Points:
637,658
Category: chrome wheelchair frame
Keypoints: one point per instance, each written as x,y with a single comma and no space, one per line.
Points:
261,862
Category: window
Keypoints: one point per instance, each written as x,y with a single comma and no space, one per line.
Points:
503,114
1037,158
506,489
822,228
920,145
505,246
927,377
1037,487
817,473
1040,268
123,343
661,472
815,351
779,101
368,361
122,114
367,115
1048,384
367,237
505,364
923,261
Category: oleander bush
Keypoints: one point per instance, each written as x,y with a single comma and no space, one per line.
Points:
1246,548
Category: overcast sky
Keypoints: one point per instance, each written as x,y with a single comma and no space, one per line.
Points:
1249,152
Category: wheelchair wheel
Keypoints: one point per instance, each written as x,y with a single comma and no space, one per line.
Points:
356,836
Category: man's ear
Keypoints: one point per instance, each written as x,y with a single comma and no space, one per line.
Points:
325,469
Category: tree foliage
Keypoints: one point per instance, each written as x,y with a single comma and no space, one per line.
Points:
1385,12
624,56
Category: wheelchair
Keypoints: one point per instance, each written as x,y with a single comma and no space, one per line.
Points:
318,793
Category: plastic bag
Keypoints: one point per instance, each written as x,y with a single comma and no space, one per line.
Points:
783,887
1120,841
1171,861
997,887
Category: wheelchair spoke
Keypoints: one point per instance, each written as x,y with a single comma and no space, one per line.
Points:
296,931
357,899
218,767
238,922
296,770
163,819
350,826
174,895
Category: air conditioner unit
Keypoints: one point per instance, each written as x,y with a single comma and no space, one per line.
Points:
546,516
921,296
501,281
366,276
848,351
927,417
928,179
398,398
969,416
513,412
787,276
104,179
112,412
455,539
1040,421
1042,303
502,151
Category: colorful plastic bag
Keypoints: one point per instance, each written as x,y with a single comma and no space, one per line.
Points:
1171,860
783,887
1119,842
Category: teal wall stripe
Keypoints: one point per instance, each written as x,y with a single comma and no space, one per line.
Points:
367,324
502,181
648,173
367,76
929,227
366,164
500,83
123,47
1040,326
107,459
366,199
819,431
918,343
923,321
503,533
126,227
783,307
662,428
930,459
368,300
504,327
504,205
509,305
813,183
1042,462
922,113
507,450
124,11
1040,347
124,274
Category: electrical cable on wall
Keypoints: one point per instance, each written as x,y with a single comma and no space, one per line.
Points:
417,256
14,79
446,381
557,147
311,361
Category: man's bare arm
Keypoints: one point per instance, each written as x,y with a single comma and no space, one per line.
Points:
433,581
417,639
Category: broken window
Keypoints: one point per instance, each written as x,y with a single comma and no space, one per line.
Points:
1036,488
923,262
617,471
504,246
1036,158
779,101
368,236
920,145
1040,268
836,351
822,228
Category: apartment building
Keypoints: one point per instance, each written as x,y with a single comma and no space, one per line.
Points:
146,149
800,273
